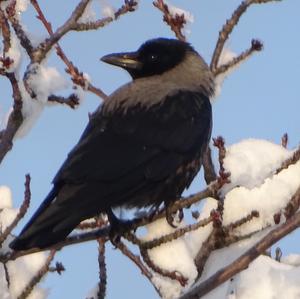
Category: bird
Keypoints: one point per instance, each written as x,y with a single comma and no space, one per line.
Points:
141,148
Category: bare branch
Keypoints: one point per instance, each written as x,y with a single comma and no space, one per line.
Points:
5,31
41,51
7,277
284,140
22,210
175,235
228,27
37,278
77,76
238,223
102,269
176,22
256,46
15,119
20,33
129,6
72,100
204,252
135,258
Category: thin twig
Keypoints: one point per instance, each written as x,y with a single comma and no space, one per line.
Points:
44,47
256,46
102,269
7,277
284,140
240,222
174,275
176,22
138,262
20,33
243,261
129,6
37,277
22,210
15,119
228,27
175,235
72,100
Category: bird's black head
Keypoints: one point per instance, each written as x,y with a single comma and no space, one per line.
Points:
153,58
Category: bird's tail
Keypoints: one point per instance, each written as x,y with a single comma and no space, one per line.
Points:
47,226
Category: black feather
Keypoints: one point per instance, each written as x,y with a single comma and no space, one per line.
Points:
133,156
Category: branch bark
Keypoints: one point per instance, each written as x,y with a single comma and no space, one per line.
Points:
243,261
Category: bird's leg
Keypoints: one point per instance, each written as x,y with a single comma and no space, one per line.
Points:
169,214
118,227
154,210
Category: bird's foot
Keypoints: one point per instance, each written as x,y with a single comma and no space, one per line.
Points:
172,218
118,227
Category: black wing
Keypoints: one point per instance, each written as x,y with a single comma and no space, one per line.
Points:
115,144
135,157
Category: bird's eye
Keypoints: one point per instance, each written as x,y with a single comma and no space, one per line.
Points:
153,57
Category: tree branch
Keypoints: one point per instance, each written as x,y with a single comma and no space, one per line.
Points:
243,261
37,277
228,27
22,211
15,119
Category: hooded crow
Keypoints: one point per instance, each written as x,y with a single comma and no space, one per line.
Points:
143,146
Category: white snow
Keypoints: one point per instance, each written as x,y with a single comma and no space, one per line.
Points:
20,7
107,10
267,279
291,259
171,256
179,11
251,161
89,14
252,164
5,197
14,53
226,56
268,199
43,81
195,238
93,293
188,16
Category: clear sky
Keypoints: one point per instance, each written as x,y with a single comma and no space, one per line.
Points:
259,100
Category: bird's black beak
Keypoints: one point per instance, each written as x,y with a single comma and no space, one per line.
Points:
127,60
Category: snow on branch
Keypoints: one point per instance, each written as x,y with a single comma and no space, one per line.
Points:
40,82
175,17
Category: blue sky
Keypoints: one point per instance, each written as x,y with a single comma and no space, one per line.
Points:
259,100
